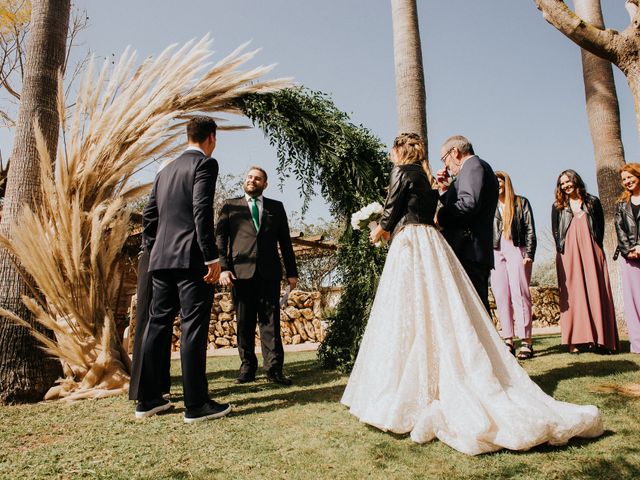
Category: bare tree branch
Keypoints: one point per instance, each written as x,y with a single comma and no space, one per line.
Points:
12,57
633,8
597,41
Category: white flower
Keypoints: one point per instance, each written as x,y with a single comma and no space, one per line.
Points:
366,215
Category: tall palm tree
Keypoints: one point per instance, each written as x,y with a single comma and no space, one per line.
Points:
604,123
407,51
25,372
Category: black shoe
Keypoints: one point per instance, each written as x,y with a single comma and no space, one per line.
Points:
246,378
210,410
279,378
148,409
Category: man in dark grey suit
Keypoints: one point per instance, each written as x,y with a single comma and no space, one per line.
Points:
178,233
249,230
469,195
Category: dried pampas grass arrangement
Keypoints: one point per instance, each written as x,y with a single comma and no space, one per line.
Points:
71,243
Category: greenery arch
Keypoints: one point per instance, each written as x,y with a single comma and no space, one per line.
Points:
317,143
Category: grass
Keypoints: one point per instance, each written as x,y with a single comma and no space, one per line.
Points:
304,432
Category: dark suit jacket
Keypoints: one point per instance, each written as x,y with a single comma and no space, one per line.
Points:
245,251
178,220
467,212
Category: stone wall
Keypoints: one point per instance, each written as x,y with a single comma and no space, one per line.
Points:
300,321
545,308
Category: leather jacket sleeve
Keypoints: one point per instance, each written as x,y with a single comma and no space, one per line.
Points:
555,220
624,242
394,205
529,228
598,220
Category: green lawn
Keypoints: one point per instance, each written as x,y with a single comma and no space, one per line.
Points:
304,432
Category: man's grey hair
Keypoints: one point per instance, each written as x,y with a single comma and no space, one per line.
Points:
461,143
260,169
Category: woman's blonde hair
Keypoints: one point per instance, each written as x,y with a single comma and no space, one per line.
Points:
509,203
633,169
409,149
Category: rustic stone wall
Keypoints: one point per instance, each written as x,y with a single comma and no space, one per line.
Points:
300,321
545,307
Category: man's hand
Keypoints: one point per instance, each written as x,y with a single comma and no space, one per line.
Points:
443,179
213,273
293,282
227,278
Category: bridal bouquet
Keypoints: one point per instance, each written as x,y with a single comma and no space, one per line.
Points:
367,216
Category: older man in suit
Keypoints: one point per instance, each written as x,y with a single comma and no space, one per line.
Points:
469,195
178,233
249,230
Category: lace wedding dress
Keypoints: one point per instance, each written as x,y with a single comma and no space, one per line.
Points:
431,362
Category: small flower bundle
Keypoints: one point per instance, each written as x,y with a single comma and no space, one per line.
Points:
367,216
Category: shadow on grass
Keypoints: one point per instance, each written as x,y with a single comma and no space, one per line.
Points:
304,373
549,380
558,348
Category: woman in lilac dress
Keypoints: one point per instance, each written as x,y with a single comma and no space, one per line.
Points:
587,316
514,248
627,220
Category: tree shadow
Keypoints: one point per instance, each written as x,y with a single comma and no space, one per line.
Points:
558,348
550,350
288,398
304,373
549,380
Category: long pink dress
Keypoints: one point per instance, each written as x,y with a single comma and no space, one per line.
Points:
587,314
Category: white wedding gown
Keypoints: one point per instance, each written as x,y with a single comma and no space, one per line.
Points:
432,363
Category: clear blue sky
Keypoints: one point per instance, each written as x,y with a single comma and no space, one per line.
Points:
495,72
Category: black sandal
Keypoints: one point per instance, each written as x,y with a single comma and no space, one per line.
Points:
526,351
511,347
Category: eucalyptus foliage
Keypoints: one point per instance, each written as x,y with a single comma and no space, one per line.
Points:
317,143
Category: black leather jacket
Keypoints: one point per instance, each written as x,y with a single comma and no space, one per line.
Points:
626,228
410,200
561,219
523,229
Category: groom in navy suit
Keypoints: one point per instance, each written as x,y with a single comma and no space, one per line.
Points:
469,196
178,233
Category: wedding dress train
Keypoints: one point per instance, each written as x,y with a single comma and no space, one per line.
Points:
432,363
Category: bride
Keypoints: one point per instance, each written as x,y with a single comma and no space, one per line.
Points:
447,374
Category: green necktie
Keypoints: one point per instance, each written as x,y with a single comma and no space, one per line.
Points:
255,214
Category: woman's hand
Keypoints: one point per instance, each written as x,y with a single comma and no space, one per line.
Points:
377,233
526,261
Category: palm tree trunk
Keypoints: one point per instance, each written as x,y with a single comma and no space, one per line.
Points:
25,372
407,50
604,123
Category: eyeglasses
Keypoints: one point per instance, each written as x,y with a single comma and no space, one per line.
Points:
446,154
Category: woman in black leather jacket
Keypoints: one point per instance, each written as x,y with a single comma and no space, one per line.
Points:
627,220
514,248
410,200
587,316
